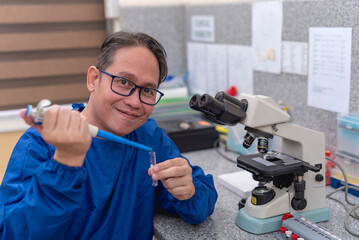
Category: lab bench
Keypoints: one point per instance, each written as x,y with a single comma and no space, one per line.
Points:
221,224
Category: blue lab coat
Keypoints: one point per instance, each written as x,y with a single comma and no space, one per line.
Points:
109,197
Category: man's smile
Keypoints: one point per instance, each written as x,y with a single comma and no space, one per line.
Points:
127,114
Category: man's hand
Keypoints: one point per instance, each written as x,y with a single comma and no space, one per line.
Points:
175,175
67,131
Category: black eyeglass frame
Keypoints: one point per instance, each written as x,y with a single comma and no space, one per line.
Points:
133,89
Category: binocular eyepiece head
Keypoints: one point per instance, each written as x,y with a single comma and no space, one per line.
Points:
223,108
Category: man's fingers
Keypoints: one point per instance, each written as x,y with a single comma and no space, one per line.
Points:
176,167
172,183
64,117
170,163
174,172
28,119
179,191
50,117
176,176
183,192
75,119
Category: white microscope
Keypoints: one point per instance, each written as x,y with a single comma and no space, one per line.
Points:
291,181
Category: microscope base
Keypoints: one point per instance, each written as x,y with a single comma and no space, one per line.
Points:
272,224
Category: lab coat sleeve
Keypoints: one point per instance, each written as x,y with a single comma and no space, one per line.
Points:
201,204
38,196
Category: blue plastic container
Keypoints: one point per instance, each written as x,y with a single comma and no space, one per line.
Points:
348,134
337,183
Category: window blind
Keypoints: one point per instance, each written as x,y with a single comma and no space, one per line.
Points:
46,47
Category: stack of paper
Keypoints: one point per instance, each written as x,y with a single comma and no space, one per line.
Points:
240,182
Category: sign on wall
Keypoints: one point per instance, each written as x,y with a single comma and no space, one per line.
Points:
202,28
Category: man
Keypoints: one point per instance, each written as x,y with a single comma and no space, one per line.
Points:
62,184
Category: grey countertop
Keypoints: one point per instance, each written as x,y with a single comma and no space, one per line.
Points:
221,224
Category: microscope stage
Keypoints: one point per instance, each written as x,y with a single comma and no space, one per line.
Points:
272,165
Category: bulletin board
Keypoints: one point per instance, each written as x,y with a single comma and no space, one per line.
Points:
233,25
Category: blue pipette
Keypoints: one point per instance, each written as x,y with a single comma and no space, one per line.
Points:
115,138
44,104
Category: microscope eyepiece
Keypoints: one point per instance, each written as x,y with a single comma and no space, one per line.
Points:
222,96
193,103
210,104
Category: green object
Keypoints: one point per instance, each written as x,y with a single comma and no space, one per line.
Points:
173,107
272,224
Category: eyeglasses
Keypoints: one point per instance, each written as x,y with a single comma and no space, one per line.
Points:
125,87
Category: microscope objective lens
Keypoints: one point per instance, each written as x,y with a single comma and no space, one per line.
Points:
262,145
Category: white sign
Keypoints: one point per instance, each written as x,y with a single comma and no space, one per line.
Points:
202,28
329,68
197,67
216,68
240,68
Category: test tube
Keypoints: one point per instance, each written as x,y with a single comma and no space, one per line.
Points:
153,162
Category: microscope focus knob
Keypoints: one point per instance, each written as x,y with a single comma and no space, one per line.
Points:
319,177
299,204
298,201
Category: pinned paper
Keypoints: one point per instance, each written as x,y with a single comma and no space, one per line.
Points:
240,68
217,68
295,57
329,68
197,67
267,23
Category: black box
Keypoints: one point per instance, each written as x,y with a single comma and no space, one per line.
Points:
190,133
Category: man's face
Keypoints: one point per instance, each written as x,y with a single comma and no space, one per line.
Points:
123,114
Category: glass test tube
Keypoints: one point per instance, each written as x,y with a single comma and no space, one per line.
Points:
153,162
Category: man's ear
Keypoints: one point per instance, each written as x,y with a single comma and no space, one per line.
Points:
93,75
